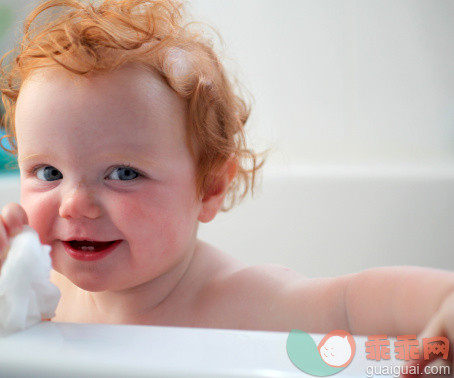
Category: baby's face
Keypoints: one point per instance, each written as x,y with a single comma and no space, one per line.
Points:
105,159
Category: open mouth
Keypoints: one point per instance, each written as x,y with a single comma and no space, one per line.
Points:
88,250
90,246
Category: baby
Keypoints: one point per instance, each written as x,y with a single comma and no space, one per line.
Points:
129,133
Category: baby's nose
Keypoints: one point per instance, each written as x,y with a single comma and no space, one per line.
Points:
80,202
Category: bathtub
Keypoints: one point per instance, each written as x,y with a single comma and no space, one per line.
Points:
65,350
320,220
326,220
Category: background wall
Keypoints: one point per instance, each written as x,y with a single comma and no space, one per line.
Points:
333,81
344,81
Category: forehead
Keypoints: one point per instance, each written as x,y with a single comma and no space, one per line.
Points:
129,100
129,86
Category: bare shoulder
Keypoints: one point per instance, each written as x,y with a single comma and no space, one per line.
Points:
231,277
271,297
267,279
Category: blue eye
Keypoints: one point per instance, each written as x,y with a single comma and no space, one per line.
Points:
123,174
48,173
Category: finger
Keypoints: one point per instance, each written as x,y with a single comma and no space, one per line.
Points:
442,324
435,328
14,218
448,316
3,241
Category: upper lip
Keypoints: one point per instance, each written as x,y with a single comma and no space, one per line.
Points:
78,238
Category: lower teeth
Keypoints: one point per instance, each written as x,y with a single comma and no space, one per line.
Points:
89,248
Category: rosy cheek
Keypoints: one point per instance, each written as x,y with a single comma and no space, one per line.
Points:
127,208
152,217
39,213
29,206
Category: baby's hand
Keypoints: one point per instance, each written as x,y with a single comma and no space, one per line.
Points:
12,220
441,325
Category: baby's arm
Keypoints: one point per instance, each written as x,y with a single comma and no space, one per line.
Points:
396,300
403,301
389,300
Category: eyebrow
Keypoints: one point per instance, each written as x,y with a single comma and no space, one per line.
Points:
125,158
107,156
33,156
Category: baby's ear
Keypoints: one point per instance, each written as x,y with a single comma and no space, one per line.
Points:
216,190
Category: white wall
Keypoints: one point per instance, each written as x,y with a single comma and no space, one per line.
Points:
336,81
332,220
350,80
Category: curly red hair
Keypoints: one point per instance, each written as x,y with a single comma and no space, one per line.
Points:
88,39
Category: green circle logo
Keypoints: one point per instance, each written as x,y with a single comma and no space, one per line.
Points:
333,354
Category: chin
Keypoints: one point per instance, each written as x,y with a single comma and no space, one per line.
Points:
88,280
92,285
